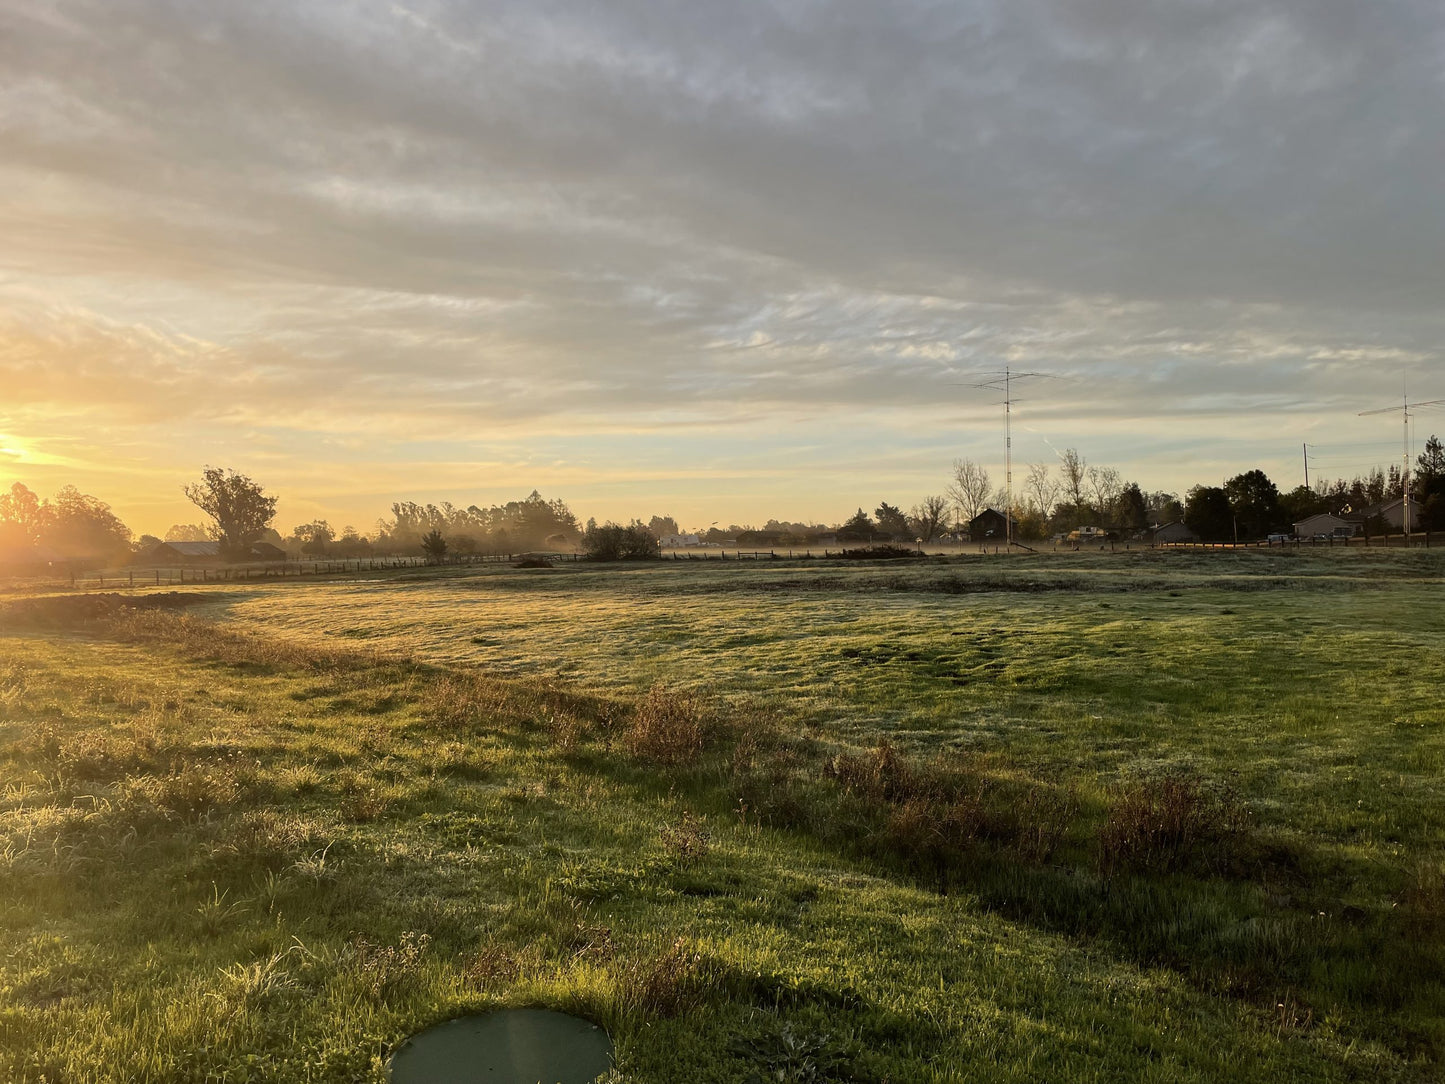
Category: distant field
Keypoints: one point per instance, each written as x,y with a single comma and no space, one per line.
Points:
1138,816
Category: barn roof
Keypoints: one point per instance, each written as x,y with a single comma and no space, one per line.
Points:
194,549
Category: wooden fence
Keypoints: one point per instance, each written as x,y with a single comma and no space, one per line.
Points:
177,575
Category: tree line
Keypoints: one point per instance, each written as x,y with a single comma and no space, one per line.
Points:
73,525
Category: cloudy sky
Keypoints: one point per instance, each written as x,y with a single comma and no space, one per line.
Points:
728,261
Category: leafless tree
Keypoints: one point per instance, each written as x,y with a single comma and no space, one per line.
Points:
969,489
928,516
1105,485
1072,464
1041,488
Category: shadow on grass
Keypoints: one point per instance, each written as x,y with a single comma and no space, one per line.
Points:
1167,873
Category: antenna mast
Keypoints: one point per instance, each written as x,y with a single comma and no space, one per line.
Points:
1002,380
1404,409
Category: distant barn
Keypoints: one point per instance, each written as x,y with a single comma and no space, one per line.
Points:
988,525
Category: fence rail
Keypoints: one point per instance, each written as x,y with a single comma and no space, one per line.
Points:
139,576
1420,539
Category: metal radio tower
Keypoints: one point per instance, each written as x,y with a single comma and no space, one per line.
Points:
1404,409
1002,380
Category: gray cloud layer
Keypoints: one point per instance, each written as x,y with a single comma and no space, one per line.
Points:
647,214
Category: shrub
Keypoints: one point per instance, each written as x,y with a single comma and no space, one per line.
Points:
614,542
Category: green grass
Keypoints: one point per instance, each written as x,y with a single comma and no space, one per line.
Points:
271,847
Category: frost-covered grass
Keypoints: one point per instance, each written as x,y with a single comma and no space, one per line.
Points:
269,839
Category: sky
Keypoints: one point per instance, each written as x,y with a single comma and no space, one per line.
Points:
724,261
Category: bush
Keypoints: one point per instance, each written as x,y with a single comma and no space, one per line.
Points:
614,542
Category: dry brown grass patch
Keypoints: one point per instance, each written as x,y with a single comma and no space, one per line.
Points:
668,728
1167,824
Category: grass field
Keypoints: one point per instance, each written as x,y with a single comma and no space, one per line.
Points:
1128,816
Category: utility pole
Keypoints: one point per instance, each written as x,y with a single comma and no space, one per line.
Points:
1306,448
1404,409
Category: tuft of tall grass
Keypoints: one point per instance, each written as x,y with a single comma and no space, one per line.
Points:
214,914
194,789
386,970
669,983
668,728
1423,903
687,840
880,776
1169,823
931,815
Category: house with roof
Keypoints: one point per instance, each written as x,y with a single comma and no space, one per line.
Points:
1393,513
1326,524
1177,531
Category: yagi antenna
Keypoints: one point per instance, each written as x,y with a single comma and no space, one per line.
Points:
1002,380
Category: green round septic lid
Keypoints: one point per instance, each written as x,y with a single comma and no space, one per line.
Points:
514,1046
